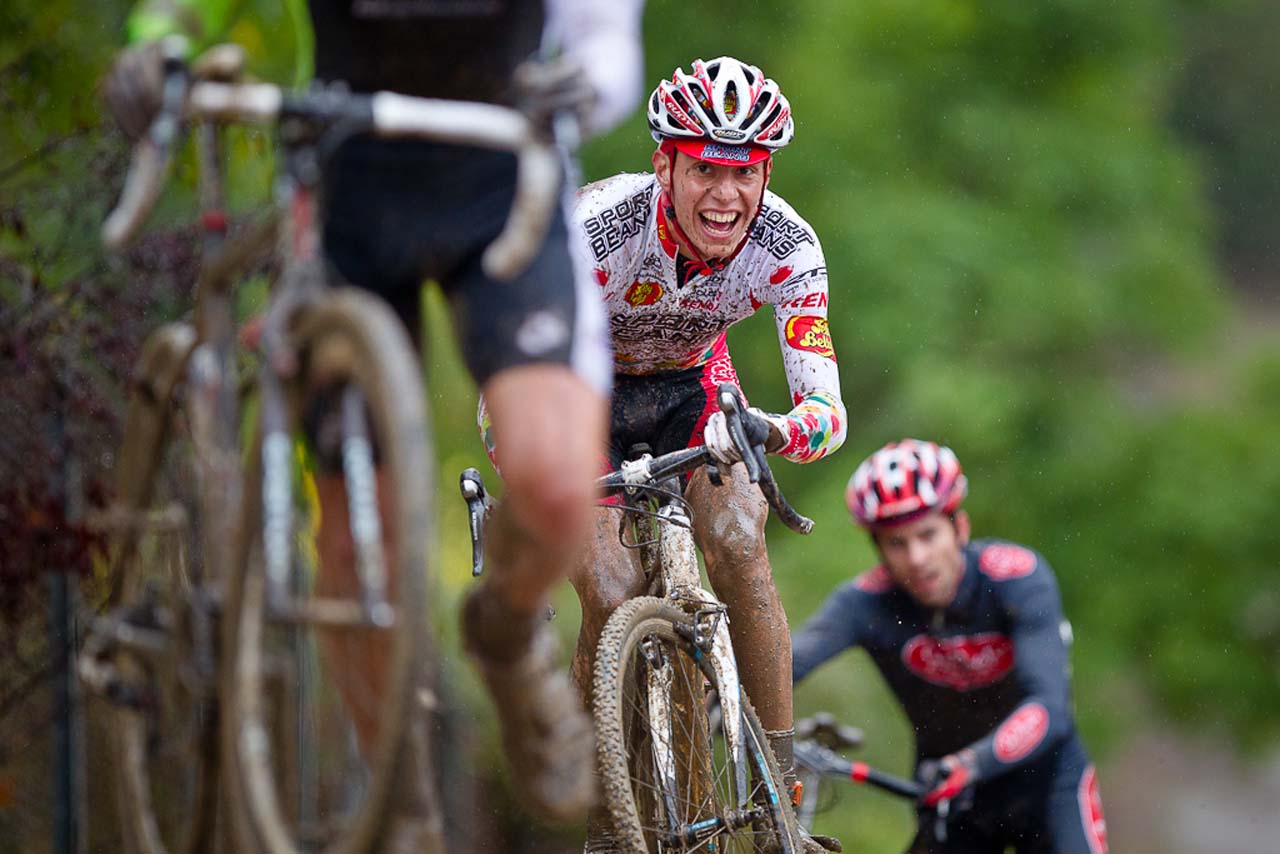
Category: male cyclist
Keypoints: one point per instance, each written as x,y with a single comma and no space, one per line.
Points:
679,255
972,640
400,211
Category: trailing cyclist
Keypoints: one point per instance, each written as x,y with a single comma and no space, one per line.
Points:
971,638
678,256
400,211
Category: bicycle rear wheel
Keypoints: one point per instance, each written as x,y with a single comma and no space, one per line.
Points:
670,781
324,734
150,656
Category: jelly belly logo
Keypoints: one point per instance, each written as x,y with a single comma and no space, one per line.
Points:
779,275
962,663
1003,561
1020,734
643,293
810,332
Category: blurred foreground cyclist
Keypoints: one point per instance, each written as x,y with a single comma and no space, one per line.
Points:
400,211
971,638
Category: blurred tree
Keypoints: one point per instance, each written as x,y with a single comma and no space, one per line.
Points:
1225,106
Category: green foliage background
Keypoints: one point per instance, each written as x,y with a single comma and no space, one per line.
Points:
1028,211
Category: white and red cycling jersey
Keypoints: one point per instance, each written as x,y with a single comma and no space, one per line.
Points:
661,320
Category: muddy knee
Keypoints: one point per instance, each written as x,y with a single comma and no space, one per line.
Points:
729,521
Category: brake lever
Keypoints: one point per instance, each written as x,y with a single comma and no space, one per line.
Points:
478,502
750,434
152,156
731,406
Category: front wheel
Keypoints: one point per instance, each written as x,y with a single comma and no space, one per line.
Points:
672,779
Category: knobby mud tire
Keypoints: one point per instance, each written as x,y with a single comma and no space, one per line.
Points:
614,682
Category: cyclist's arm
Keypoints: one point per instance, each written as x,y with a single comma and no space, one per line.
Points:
604,38
1043,718
817,422
833,629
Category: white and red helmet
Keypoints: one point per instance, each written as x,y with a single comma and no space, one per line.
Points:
904,480
724,111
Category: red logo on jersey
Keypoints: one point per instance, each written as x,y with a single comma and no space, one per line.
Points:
875,580
1003,561
815,299
810,332
602,276
1095,825
643,293
962,663
1020,734
779,275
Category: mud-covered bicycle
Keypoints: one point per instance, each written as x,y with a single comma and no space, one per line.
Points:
232,729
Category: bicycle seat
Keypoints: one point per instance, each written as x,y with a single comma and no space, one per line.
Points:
824,729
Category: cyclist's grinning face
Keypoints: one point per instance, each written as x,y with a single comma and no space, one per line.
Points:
714,203
924,557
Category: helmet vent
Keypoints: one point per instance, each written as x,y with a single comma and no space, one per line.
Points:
731,100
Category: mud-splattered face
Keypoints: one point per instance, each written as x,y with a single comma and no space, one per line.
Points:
714,203
924,558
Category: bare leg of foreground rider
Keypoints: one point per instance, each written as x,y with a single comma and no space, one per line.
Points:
549,425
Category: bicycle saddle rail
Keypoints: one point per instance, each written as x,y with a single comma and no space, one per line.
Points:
384,114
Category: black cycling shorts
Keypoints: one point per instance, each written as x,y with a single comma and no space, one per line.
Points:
668,410
399,212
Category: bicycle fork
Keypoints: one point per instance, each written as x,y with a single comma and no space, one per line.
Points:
710,636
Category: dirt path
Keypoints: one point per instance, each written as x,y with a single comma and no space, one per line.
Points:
1165,794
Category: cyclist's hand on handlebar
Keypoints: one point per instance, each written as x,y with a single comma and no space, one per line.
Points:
133,88
546,88
721,445
946,778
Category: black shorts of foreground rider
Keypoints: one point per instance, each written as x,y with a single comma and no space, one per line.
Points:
666,411
398,212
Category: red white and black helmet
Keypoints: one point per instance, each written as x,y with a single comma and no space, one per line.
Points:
904,480
722,104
